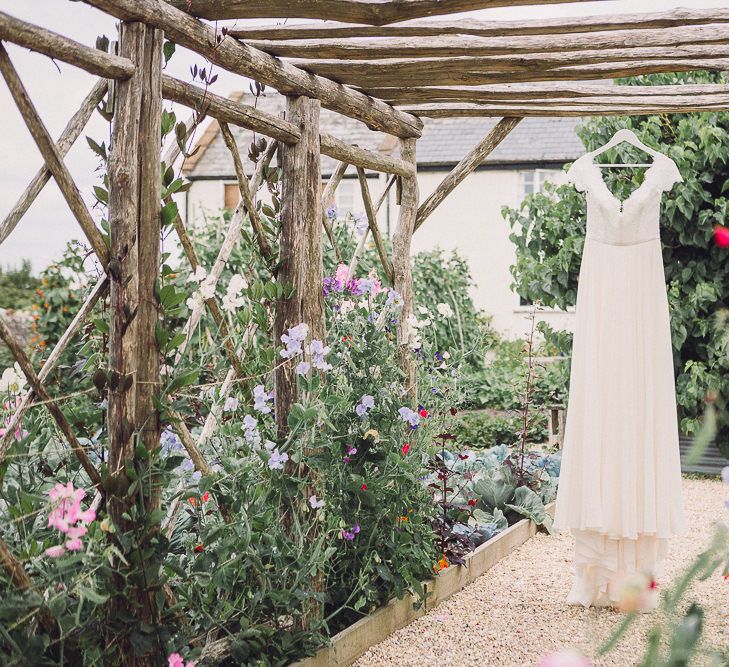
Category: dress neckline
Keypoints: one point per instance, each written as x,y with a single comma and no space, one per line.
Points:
621,203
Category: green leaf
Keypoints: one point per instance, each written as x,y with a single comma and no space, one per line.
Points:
91,595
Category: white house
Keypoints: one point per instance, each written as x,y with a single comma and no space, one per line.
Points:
469,220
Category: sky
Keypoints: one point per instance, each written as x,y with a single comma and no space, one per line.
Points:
57,90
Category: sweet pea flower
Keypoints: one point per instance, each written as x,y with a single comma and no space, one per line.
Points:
638,593
444,310
12,380
721,236
277,460
231,404
67,517
332,212
198,276
303,368
293,340
176,660
405,448
366,403
315,503
261,399
410,416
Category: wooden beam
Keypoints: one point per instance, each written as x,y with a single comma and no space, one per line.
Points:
68,137
16,349
62,48
374,12
554,110
373,226
403,272
246,196
243,115
448,46
327,200
300,253
454,76
361,157
52,156
230,54
675,18
229,111
362,72
551,91
467,165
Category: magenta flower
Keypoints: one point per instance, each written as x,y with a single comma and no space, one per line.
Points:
67,517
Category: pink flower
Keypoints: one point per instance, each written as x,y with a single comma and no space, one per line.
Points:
565,658
67,517
341,274
55,552
405,448
721,236
74,545
638,593
176,660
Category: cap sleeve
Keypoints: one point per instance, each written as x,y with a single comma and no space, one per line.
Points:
669,174
576,175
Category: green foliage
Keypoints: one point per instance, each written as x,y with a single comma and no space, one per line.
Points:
17,286
482,429
548,230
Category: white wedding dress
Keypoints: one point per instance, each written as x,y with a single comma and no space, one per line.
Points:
620,483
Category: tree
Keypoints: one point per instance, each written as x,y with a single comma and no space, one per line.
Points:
549,229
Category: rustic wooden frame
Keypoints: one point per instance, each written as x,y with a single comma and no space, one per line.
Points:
501,68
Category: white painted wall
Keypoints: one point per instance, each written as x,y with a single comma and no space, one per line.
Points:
469,221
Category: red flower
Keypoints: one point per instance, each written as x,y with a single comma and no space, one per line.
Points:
424,413
472,502
364,487
405,448
199,548
653,584
721,236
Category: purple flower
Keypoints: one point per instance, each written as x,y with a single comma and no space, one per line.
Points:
293,340
365,404
303,367
350,534
360,223
318,351
170,441
261,399
332,212
409,416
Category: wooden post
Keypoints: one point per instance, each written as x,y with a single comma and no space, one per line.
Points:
301,243
300,264
134,359
403,275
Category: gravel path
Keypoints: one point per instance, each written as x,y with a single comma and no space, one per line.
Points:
516,613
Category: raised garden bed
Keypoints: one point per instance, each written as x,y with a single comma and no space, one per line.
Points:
351,643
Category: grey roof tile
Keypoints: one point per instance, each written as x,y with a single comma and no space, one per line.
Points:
444,142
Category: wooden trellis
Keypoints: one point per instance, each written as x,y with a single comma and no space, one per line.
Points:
381,68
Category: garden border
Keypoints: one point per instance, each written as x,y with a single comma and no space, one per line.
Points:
352,642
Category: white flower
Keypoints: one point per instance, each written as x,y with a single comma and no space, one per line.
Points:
207,289
199,275
446,355
445,310
231,404
423,310
347,306
270,446
237,284
232,302
13,380
315,503
277,460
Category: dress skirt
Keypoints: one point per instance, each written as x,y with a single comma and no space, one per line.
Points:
620,481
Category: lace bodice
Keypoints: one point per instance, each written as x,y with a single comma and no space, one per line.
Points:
634,220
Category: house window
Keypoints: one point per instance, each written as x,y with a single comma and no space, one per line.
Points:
345,197
231,196
533,181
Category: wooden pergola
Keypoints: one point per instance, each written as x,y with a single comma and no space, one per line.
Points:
385,63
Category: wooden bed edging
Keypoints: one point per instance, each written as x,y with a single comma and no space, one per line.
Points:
349,644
